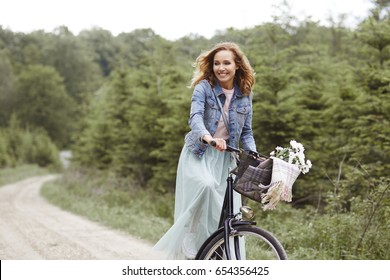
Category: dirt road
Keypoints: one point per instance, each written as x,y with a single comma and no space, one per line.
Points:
33,229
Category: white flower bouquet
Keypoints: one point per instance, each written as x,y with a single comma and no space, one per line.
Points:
288,163
293,155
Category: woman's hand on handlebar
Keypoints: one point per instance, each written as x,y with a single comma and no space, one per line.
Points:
217,143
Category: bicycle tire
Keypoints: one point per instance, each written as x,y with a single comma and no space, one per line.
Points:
259,245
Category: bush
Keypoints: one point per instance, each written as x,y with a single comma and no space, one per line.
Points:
22,146
5,159
42,151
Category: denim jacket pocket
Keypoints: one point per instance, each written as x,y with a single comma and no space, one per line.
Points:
242,112
243,109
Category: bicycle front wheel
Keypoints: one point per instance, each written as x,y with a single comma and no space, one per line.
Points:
246,243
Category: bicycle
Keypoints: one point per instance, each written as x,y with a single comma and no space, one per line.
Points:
237,236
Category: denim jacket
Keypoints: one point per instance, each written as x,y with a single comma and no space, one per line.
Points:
205,115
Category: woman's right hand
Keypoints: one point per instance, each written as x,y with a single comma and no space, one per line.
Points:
217,143
220,144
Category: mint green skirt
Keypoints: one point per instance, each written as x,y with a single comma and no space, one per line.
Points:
200,191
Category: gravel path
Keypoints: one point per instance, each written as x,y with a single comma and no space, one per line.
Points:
33,229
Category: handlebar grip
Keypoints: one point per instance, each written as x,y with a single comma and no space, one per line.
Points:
228,148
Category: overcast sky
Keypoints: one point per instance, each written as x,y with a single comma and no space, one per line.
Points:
172,19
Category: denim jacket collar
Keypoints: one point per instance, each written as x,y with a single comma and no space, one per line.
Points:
218,89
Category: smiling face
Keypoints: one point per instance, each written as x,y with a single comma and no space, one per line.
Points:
224,68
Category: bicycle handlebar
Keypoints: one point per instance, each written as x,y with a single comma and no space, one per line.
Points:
228,148
238,151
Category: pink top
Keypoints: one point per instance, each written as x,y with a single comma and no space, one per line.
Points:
221,129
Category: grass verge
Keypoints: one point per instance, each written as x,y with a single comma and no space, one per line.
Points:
14,174
116,204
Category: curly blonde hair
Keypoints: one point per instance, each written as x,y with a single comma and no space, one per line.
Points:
245,75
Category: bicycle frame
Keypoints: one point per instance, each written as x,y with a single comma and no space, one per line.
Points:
227,219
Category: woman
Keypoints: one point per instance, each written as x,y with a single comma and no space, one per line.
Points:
223,72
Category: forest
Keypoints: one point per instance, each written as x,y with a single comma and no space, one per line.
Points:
121,105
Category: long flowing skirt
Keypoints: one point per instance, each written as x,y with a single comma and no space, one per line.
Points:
200,191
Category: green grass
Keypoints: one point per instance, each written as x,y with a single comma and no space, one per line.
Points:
11,175
118,205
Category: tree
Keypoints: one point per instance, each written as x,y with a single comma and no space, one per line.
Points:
74,61
7,87
93,144
172,126
104,46
41,101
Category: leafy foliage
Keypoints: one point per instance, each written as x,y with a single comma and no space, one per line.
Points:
20,146
41,102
